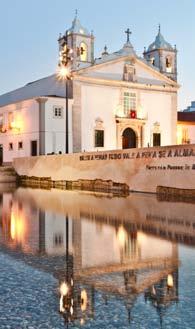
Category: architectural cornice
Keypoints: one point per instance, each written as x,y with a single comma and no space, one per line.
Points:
156,73
125,84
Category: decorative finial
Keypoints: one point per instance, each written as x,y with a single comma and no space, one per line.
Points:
159,28
128,32
76,13
105,52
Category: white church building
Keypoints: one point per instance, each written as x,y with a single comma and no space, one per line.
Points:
120,100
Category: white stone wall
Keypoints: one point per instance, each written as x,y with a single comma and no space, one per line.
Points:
103,101
55,128
98,102
141,169
158,109
26,115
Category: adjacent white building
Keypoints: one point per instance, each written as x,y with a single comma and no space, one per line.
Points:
119,100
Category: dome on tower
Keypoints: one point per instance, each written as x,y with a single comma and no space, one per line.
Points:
160,43
77,27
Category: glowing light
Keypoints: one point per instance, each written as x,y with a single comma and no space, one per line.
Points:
141,237
179,135
63,292
82,322
63,72
17,227
62,309
64,289
71,310
83,300
122,236
13,227
170,280
15,125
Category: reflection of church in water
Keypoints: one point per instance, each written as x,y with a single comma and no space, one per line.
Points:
91,259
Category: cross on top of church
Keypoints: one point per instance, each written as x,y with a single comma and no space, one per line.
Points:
128,32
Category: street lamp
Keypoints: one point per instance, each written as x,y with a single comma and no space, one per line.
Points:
64,73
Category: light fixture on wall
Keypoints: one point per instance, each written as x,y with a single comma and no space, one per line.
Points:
3,129
14,125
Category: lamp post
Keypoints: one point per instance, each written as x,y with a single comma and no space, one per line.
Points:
64,73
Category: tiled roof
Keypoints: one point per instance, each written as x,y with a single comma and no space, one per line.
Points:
48,86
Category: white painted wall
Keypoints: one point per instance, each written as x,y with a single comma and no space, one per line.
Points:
158,108
103,101
55,127
26,114
99,102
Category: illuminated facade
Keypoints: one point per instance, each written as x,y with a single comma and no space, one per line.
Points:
119,100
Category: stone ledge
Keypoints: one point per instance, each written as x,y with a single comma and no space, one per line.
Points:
97,185
165,193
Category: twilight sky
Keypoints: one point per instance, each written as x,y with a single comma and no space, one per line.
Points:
29,30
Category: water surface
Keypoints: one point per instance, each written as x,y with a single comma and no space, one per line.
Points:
71,259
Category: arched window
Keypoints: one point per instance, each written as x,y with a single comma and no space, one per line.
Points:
83,52
168,64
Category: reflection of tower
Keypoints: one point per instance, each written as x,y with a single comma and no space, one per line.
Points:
127,239
41,231
163,294
76,299
130,280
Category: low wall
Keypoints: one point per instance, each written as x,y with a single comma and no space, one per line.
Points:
139,169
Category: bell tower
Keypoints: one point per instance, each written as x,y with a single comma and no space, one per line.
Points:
163,56
80,42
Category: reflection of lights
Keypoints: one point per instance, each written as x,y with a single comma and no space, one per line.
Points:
83,300
153,290
82,321
141,237
71,310
64,289
122,236
17,227
13,226
170,280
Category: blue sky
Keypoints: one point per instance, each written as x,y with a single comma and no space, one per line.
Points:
29,30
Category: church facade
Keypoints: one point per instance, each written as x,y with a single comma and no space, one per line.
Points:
119,100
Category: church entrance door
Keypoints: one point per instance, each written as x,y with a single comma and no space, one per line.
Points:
128,138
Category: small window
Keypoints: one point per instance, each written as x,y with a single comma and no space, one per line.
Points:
99,138
83,52
129,103
168,64
156,139
58,112
10,146
153,61
58,240
20,145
